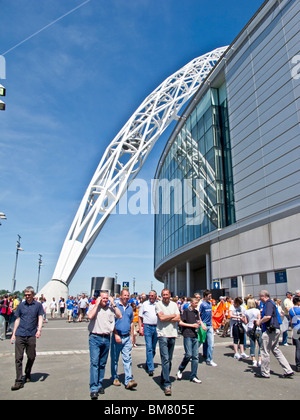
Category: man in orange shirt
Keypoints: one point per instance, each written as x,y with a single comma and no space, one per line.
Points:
226,306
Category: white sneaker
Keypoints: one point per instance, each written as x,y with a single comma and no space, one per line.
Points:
211,363
179,375
237,356
254,363
196,380
244,356
258,364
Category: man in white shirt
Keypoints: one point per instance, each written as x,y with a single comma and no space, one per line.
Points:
83,304
53,308
147,316
168,315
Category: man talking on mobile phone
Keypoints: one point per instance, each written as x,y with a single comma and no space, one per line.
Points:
102,316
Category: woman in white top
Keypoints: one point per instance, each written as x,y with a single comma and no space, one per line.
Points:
253,314
237,327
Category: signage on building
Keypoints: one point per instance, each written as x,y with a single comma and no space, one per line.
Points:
280,277
217,284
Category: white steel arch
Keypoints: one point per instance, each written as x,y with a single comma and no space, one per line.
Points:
124,158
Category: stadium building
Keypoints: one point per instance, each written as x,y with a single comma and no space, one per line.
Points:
228,184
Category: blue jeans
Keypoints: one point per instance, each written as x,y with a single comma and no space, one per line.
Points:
99,349
150,334
208,346
166,348
253,343
191,348
125,349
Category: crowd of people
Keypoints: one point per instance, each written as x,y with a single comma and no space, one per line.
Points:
115,322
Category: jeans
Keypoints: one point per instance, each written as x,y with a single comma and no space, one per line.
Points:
253,343
150,334
285,333
296,343
191,348
99,349
208,346
125,349
166,348
27,344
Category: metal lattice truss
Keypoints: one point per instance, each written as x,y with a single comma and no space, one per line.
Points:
124,158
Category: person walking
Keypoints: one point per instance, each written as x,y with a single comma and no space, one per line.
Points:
254,332
189,322
237,327
53,308
270,338
121,342
295,321
168,315
62,307
27,328
70,303
287,305
148,318
102,316
83,305
205,311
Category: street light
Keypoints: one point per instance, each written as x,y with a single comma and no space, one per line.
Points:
18,246
2,217
39,271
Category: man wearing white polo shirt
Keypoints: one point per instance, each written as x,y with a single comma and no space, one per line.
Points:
168,315
147,316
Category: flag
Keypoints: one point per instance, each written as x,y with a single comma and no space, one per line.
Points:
217,316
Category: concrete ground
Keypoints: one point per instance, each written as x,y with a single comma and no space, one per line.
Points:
61,372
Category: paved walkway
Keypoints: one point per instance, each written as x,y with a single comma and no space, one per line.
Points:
61,372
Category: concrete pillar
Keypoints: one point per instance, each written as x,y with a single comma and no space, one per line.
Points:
176,281
240,287
188,279
169,281
208,279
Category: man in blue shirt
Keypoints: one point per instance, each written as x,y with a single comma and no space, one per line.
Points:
70,306
27,328
270,338
121,342
205,311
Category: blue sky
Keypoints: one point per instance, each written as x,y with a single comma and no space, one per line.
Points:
72,83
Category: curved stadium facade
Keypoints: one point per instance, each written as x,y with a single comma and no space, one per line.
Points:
228,185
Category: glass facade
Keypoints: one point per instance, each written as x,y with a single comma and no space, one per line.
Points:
194,190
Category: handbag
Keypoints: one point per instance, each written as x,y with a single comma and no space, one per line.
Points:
241,328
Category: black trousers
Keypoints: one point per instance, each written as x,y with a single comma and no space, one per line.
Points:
22,344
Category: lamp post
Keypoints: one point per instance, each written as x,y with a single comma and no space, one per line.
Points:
2,217
39,272
18,246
